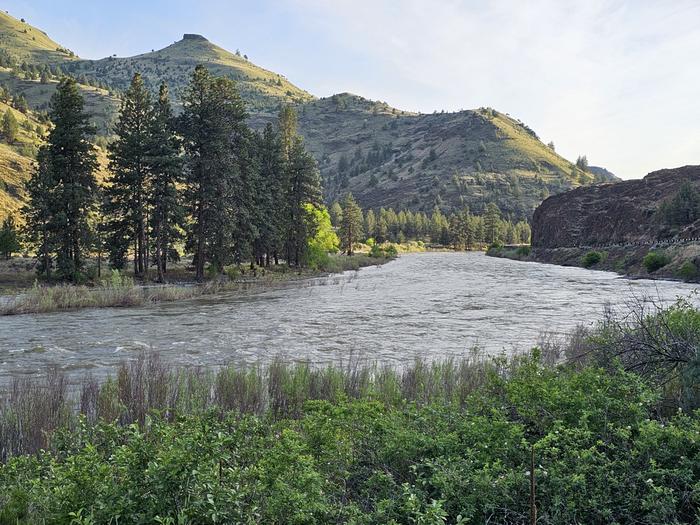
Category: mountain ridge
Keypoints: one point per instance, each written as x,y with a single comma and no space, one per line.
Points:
386,156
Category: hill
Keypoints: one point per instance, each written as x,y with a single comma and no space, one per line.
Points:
25,43
388,157
263,90
16,160
385,156
612,214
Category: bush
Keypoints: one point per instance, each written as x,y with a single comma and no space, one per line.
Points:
523,251
383,251
688,271
599,453
591,259
654,261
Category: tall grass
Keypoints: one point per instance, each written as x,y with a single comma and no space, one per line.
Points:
119,290
32,409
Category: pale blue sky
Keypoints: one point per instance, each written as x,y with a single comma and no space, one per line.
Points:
616,80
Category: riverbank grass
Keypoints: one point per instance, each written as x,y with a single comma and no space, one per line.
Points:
119,290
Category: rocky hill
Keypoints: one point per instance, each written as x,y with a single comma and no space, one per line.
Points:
263,90
386,156
612,214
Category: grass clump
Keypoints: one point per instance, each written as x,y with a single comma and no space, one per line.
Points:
655,260
592,258
688,271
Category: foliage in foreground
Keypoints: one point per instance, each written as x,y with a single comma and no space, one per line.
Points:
600,457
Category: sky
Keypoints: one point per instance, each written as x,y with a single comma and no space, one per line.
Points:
617,81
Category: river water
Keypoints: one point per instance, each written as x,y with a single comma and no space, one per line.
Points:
422,305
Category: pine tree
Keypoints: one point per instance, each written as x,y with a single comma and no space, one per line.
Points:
304,187
336,213
271,197
10,127
9,238
165,171
492,223
126,202
218,169
370,224
62,190
351,229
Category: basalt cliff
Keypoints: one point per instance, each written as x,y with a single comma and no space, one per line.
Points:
613,214
647,228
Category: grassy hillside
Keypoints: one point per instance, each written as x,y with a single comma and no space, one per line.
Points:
262,89
99,103
387,157
16,161
29,44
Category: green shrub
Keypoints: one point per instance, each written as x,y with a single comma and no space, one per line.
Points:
591,259
653,261
523,251
688,271
383,251
599,453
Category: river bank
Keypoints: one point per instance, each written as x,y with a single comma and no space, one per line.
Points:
118,290
674,262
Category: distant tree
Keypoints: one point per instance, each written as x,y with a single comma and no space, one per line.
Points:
522,232
492,223
582,163
352,224
550,145
370,224
9,238
20,103
10,127
336,213
683,207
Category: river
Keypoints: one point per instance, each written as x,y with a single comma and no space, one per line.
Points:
421,305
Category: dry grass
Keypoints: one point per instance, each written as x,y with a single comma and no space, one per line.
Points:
119,290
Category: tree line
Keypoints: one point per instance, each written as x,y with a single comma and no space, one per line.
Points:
460,230
203,179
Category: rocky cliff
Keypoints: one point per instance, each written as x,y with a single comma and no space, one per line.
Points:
610,214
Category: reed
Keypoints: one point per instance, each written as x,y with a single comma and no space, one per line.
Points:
31,410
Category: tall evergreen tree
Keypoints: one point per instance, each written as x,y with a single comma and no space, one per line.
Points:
126,202
304,187
62,190
492,223
270,197
165,166
216,144
351,229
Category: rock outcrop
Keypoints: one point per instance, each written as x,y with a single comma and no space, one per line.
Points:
611,214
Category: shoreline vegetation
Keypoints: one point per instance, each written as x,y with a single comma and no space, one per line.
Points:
673,262
120,290
605,416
